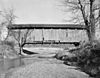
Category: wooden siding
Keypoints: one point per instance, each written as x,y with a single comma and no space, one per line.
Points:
61,35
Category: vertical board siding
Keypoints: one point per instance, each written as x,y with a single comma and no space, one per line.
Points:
38,35
61,35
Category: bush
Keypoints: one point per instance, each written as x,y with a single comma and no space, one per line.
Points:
9,43
88,58
7,49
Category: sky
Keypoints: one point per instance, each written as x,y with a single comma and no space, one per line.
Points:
35,11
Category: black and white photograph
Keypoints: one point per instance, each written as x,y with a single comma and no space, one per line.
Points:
49,38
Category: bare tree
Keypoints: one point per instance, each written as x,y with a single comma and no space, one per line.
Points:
86,12
8,18
21,37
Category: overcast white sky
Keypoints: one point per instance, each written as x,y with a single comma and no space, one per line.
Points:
35,11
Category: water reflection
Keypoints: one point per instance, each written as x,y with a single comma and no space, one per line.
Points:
7,64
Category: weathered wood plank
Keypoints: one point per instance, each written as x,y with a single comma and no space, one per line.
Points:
46,26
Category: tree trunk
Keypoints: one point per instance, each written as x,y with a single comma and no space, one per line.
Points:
20,49
91,32
92,29
91,36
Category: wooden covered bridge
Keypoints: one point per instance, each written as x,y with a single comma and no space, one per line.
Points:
56,29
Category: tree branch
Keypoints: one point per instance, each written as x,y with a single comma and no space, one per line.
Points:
83,13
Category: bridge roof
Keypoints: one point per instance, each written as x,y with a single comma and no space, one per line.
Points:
46,26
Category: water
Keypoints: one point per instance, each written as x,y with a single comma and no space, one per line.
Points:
7,64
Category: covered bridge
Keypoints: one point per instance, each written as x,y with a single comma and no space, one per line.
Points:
53,33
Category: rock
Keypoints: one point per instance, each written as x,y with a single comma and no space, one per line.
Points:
64,55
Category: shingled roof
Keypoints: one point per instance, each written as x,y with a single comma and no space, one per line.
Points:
46,26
